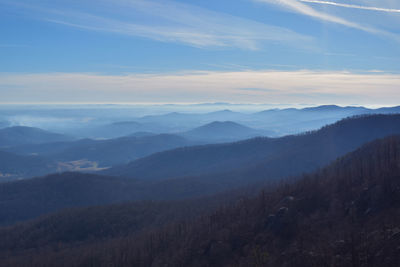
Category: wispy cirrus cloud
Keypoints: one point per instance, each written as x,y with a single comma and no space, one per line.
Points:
371,8
266,86
167,21
300,6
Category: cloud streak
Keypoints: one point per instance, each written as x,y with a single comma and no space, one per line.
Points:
299,7
169,21
287,87
389,10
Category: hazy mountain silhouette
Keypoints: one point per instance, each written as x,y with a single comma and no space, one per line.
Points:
222,131
105,152
19,135
113,123
298,153
123,149
256,161
116,129
141,134
277,122
47,149
335,108
4,124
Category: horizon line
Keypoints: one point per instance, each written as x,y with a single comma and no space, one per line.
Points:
305,105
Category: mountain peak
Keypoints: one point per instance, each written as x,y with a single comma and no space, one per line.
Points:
17,135
222,125
221,131
323,108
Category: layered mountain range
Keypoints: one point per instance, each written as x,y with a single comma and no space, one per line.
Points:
222,194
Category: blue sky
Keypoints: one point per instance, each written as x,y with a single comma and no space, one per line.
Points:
240,51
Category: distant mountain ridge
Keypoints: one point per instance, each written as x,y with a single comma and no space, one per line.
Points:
106,153
19,135
277,122
195,171
123,149
103,153
106,123
224,131
301,152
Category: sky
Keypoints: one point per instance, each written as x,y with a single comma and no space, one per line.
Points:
194,51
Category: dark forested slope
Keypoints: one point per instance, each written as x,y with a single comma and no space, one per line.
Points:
13,166
346,214
29,198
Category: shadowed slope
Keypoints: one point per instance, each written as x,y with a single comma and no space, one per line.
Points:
345,214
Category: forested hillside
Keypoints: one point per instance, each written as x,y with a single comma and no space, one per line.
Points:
13,166
346,214
288,156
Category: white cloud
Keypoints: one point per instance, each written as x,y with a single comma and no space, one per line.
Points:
371,8
168,21
302,8
303,86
